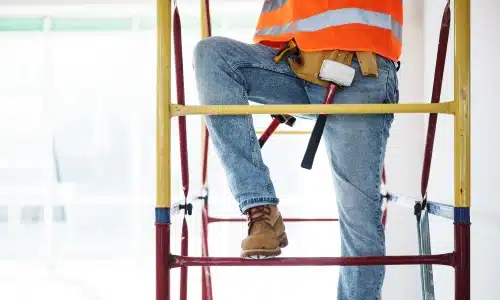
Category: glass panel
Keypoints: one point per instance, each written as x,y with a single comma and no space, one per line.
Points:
77,155
21,24
91,24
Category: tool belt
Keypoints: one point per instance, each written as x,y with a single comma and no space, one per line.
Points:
306,65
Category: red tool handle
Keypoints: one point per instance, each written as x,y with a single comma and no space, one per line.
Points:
270,129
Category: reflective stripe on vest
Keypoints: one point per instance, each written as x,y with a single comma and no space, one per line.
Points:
336,17
273,5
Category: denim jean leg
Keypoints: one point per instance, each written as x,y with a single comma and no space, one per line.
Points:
356,148
230,72
356,145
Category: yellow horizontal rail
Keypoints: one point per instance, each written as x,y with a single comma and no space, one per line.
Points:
184,110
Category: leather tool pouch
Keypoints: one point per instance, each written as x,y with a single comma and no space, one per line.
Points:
307,65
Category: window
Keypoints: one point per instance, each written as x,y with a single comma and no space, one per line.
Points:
77,145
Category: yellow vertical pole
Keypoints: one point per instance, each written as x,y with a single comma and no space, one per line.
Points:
462,102
204,28
163,130
163,140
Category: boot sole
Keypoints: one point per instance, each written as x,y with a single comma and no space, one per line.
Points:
266,253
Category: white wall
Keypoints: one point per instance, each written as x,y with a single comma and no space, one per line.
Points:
404,158
485,144
485,213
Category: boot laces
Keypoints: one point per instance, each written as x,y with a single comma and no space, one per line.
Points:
256,214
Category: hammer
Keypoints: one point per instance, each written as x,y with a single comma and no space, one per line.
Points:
338,75
277,120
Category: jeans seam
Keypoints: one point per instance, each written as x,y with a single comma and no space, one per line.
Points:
236,66
250,128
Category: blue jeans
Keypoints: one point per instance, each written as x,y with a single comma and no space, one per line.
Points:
229,72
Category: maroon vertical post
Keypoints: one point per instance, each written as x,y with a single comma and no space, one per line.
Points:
462,253
184,251
462,262
206,282
208,26
162,259
179,72
206,277
180,100
205,158
436,97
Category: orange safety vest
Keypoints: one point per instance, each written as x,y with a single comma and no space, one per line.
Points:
350,25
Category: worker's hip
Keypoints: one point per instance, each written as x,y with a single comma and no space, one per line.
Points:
382,89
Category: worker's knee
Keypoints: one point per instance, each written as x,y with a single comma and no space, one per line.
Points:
206,51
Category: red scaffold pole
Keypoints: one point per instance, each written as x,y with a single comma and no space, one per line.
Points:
162,261
183,145
462,261
206,281
208,27
205,158
206,277
181,101
184,251
435,98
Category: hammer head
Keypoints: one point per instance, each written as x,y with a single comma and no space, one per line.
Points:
336,72
287,119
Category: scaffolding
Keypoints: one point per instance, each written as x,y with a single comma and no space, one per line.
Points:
459,108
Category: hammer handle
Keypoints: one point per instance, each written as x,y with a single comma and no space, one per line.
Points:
272,127
317,133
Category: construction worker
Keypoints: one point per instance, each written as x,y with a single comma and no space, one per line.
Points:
365,35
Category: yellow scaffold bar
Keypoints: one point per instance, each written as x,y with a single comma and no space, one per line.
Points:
184,110
462,103
163,118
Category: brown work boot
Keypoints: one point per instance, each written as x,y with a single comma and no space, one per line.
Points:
266,233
